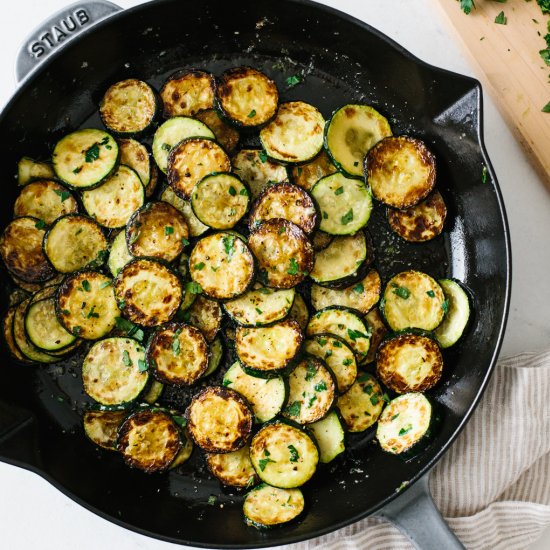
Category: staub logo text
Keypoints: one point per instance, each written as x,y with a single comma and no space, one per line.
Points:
58,33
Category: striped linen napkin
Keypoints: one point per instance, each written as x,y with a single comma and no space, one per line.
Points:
493,485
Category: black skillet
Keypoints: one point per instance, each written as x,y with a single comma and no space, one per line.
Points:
343,60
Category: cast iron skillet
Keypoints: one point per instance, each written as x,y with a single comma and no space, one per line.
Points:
344,60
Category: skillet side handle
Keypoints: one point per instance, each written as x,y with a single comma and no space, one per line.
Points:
416,516
59,29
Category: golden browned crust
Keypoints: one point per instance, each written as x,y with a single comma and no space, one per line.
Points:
226,136
188,93
308,174
377,329
206,315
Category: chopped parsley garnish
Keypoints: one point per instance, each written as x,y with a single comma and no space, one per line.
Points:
166,146
176,343
294,456
252,114
484,175
40,224
467,6
77,170
212,499
105,284
250,482
336,344
263,156
259,311
354,334
263,462
394,416
184,241
294,409
546,108
339,191
293,80
142,366
199,266
126,358
86,285
445,306
77,330
311,401
92,153
228,244
347,217
325,215
386,398
243,192
134,237
347,362
321,386
180,421
282,230
129,328
402,292
431,293
406,429
368,389
311,371
227,382
374,399
232,191
65,312
501,19
168,230
322,341
294,268
359,287
63,195
92,313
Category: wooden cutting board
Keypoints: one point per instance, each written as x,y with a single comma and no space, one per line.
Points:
508,63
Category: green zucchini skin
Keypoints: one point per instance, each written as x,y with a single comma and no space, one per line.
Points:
216,357
330,436
29,170
456,319
8,337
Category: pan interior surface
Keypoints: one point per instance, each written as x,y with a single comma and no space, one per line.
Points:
340,61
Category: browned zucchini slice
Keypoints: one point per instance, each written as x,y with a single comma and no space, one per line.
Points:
86,305
128,107
119,255
321,240
178,354
9,340
153,182
413,300
253,166
113,203
400,171
46,200
295,134
312,391
29,170
187,93
265,506
308,174
422,222
136,156
206,315
247,97
74,242
101,427
409,363
149,440
220,200
191,160
219,420
284,253
362,295
378,329
21,250
284,455
222,265
232,469
285,201
338,356
226,136
158,230
268,350
153,393
299,311
43,328
362,404
148,292
196,227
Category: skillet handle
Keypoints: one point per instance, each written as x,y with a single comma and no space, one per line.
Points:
59,29
416,516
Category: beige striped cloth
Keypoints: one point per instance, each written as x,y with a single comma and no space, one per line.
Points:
493,485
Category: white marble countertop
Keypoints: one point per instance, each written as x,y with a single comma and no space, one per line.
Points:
34,514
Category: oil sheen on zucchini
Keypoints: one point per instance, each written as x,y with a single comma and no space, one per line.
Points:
265,506
232,469
456,318
101,427
29,170
196,227
43,328
330,437
188,93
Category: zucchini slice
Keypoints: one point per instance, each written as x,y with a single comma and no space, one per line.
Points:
178,354
46,200
148,293
206,315
101,427
29,170
188,297
351,132
261,306
114,371
362,404
295,134
285,201
458,312
219,420
299,311
157,230
86,305
187,93
330,437
413,300
265,506
9,340
246,97
409,363
153,392
266,397
253,166
321,240
85,158
34,287
136,156
422,222
222,265
345,204
172,132
400,171
338,356
21,250
308,174
191,160
43,328
226,136
119,255
284,455
149,440
284,253
232,469
220,200
128,107
362,296
378,330
216,356
312,391
113,203
196,227
268,350
185,453
74,242
341,262
405,424
344,323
